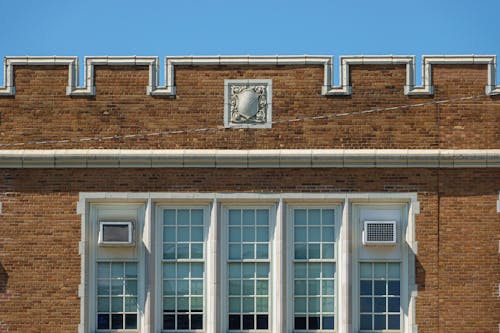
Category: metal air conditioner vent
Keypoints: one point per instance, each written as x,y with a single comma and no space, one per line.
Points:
379,233
116,233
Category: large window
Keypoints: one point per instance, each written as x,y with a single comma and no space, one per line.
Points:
249,263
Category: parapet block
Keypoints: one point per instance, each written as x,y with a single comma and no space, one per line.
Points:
328,88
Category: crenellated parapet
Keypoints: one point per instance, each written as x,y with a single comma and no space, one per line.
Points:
328,88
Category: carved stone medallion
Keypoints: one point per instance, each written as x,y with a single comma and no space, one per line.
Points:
248,103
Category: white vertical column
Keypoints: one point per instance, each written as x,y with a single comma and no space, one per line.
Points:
211,271
343,273
147,320
279,280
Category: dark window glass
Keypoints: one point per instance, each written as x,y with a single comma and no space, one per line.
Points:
262,322
365,287
379,304
131,321
328,323
379,323
117,321
366,322
196,322
300,323
234,322
103,321
168,322
115,233
183,322
248,323
314,323
366,304
379,287
393,305
393,322
393,288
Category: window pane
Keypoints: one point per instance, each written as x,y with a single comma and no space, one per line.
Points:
248,280
183,280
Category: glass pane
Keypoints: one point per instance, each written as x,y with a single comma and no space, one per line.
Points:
365,270
366,304
248,270
182,251
300,270
169,217
393,270
131,287
169,270
103,304
131,270
103,270
300,323
262,251
379,322
234,304
314,270
182,287
393,288
248,304
248,287
365,287
196,251
169,322
234,217
234,287
116,270
130,321
262,270
365,322
393,322
313,303
196,322
300,251
262,304
249,234
248,251
103,321
183,234
197,270
234,322
116,287
235,252
379,270
393,304
183,217
103,287
169,234
300,234
117,321
328,322
130,304
314,234
314,287
328,234
197,234
328,217
379,287
313,216
262,217
379,304
169,304
262,234
248,322
314,323
169,251
234,270
168,287
262,322
182,270
328,270
196,304
196,287
328,304
117,304
183,322
248,217
235,234
328,251
314,251
300,287
300,305
182,304
261,287
328,287
197,216
300,217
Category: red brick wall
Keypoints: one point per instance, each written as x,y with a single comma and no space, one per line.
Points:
458,229
41,110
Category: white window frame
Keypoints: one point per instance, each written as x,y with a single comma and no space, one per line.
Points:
224,251
337,207
149,319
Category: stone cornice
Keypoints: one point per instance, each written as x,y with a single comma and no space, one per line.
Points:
283,158
153,88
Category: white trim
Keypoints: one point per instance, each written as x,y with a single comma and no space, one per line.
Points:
153,88
498,203
270,158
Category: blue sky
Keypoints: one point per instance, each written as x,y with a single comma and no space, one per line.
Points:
257,27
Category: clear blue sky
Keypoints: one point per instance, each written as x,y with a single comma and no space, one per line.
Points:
257,27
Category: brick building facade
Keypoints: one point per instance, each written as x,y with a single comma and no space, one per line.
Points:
248,206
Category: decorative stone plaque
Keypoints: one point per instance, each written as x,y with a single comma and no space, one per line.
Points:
247,103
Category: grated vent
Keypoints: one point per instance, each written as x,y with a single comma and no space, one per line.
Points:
379,232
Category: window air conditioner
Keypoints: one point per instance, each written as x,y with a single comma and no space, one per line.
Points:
379,233
116,233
